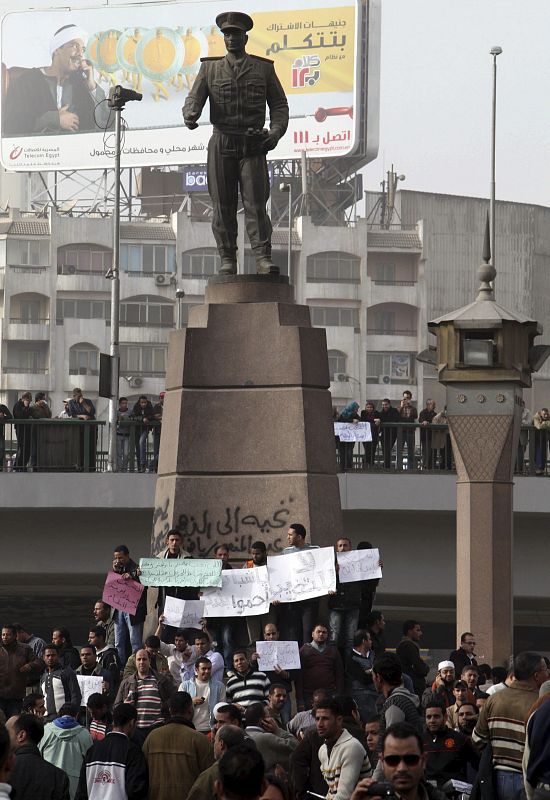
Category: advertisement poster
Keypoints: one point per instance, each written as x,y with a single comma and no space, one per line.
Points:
156,49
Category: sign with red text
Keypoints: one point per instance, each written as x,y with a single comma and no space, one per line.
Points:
318,48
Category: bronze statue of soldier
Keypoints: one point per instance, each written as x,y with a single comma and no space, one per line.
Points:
238,86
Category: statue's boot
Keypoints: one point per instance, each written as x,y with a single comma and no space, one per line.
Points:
228,267
265,266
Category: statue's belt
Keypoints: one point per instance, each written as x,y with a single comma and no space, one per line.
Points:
249,133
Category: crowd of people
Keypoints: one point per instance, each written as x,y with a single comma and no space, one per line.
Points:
390,436
180,715
135,426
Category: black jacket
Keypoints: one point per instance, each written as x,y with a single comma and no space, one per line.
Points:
408,653
461,660
33,778
448,755
124,761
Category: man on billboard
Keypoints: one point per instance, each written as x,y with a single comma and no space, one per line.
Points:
60,98
238,86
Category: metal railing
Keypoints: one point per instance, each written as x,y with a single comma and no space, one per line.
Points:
30,321
401,447
74,445
393,283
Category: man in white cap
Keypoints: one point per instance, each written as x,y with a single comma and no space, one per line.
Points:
442,687
60,98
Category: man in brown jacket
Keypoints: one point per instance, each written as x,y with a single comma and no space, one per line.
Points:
175,753
16,662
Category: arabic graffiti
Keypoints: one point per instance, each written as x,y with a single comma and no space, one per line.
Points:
203,532
200,535
161,526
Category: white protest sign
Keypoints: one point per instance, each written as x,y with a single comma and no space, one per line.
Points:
183,613
277,654
358,565
89,684
302,575
243,593
353,431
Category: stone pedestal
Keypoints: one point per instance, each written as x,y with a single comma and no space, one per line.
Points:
247,441
484,422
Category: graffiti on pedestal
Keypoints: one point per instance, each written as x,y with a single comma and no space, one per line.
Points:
237,530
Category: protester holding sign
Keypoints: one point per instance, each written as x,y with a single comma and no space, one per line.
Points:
128,625
343,604
157,595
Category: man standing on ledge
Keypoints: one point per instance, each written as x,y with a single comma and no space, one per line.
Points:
238,86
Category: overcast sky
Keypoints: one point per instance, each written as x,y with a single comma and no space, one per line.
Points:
436,79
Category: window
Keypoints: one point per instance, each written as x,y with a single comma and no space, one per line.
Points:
385,273
149,259
398,367
200,263
143,359
147,310
29,311
333,267
83,258
83,309
30,361
83,360
28,252
325,316
337,363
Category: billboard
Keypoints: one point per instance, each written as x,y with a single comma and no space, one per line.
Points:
48,122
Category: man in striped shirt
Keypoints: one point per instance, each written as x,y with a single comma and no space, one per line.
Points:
502,723
148,691
246,685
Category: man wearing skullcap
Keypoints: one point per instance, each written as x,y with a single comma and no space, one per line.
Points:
238,86
60,98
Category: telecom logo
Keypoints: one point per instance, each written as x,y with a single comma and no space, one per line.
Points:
304,71
196,180
15,153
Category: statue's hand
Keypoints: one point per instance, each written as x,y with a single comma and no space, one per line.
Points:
191,125
271,140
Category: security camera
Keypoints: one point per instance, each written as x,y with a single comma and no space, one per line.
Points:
180,293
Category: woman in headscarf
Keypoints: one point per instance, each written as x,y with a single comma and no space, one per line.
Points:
345,449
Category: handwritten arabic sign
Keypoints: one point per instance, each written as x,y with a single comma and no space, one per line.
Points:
317,52
183,613
303,575
358,565
89,684
243,593
181,571
353,431
122,594
284,655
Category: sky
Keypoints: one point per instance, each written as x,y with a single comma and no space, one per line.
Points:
436,88
436,94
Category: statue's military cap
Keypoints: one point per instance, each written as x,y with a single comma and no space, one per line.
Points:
229,20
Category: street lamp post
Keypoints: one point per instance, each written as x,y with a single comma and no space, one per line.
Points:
287,188
495,51
118,97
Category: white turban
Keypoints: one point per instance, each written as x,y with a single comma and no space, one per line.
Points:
67,34
445,665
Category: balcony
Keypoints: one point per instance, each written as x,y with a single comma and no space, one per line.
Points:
394,292
35,330
72,279
19,378
396,340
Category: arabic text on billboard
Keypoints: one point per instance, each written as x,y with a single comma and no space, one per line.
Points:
156,49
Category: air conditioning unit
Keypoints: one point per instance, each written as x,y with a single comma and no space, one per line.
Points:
70,269
160,280
135,383
341,377
384,379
